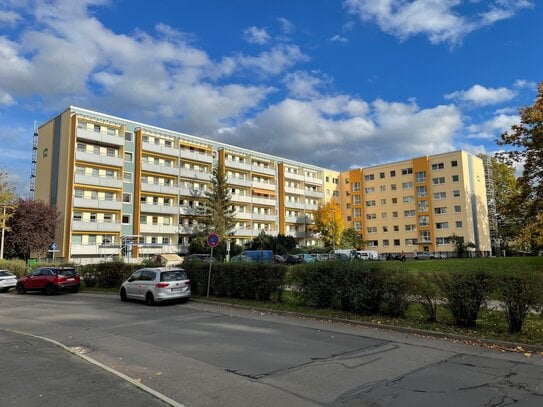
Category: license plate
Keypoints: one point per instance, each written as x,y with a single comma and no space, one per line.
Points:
176,289
70,279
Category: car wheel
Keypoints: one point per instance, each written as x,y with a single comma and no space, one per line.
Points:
75,289
124,297
20,288
50,289
149,299
5,290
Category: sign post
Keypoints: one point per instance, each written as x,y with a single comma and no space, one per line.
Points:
53,248
212,241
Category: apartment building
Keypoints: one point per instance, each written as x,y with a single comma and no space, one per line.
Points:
418,204
130,189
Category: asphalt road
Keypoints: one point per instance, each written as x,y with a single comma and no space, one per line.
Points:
207,355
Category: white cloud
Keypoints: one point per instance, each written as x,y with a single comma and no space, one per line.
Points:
303,85
436,19
286,25
274,61
9,18
254,35
492,128
482,96
339,38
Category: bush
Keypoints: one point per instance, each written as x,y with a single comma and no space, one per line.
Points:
106,275
426,292
519,292
253,281
17,267
465,293
396,288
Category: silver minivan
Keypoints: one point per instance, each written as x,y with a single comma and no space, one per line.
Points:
156,284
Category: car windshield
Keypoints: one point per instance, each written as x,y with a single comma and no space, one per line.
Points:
173,275
65,272
5,273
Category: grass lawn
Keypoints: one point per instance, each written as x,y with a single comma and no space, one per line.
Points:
489,263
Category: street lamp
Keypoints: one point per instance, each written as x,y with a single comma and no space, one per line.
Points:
332,219
3,229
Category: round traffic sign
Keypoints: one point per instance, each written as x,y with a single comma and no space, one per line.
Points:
213,239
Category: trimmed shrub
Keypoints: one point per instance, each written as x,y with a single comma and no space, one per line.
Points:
425,290
519,292
464,294
107,275
397,285
17,267
253,281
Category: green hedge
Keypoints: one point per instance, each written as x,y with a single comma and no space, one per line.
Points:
17,267
255,281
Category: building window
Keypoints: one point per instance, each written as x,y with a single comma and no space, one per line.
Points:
127,197
96,128
369,177
440,195
420,176
385,229
394,201
442,225
407,171
356,186
407,185
422,206
440,210
457,209
384,215
371,216
128,157
127,176
128,136
408,199
438,180
410,228
421,191
383,202
459,224
396,228
370,203
438,166
356,199
370,190
372,229
442,241
394,214
396,242
409,214
356,212
410,242
386,243
454,163
381,175
126,219
357,225
393,173
424,220
456,193
455,178
78,217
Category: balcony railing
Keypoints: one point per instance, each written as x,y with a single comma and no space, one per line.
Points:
238,165
155,208
160,189
202,157
161,169
100,138
291,175
104,159
108,182
95,226
263,170
114,205
158,229
159,149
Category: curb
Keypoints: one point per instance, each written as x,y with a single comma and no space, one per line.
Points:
497,344
134,382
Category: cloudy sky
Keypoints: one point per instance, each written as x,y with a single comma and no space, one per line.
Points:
339,84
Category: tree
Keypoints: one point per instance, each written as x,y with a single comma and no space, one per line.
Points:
280,245
507,198
6,199
218,214
526,140
32,229
329,223
351,239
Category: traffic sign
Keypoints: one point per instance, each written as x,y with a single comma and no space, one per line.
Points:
53,246
213,240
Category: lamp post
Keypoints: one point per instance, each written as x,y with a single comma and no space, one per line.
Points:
332,219
4,207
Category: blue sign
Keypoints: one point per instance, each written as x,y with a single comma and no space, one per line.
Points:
213,240
53,246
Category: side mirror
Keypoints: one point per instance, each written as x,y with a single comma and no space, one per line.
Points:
131,279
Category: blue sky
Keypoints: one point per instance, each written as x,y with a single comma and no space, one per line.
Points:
339,84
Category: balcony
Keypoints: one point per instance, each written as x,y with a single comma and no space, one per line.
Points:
107,182
299,219
98,204
311,207
159,229
192,192
237,165
81,226
187,230
161,169
170,210
247,232
291,175
241,198
292,204
263,170
191,155
187,210
99,138
160,189
160,149
314,194
243,215
264,216
194,174
264,185
103,159
158,248
296,234
244,182
295,191
96,250
264,201
313,180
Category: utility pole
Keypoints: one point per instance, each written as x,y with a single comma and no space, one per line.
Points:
3,231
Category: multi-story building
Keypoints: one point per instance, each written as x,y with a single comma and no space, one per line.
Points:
130,189
419,204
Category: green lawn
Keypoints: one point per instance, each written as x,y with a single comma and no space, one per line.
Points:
490,263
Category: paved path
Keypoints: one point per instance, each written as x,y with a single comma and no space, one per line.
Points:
207,355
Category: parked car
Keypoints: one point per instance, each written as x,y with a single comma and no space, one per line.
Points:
292,259
279,259
307,258
49,280
156,284
428,255
8,280
199,257
241,258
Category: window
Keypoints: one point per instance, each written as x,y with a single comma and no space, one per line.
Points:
396,242
424,220
440,195
385,229
456,193
420,176
394,214
381,175
370,203
409,214
442,241
127,197
369,177
457,209
394,201
438,166
407,185
438,180
383,188
455,178
454,163
384,215
356,186
79,193
408,199
371,216
422,206
386,243
396,228
357,225
410,242
356,199
369,190
410,228
425,236
357,212
111,132
373,243
77,239
128,136
78,217
383,202
421,191
127,176
392,173
407,171
96,128
128,157
442,225
372,229
440,210
108,217
459,224
126,219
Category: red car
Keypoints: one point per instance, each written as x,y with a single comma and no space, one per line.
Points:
49,280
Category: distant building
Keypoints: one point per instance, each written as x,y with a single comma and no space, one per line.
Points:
130,189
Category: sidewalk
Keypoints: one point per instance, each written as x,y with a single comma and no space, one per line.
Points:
36,372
